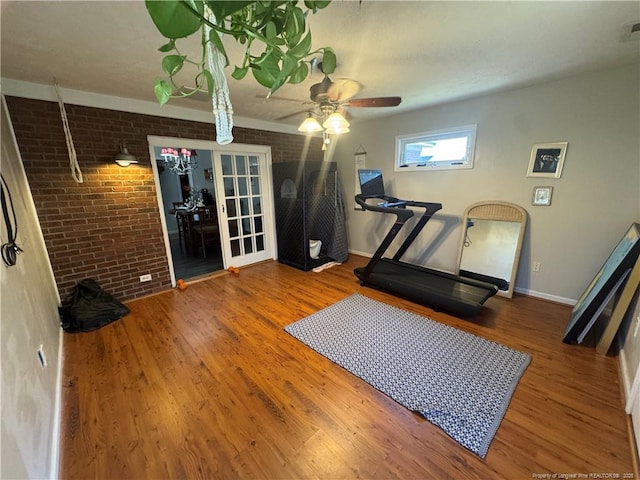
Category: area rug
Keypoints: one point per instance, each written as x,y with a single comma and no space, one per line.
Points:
458,381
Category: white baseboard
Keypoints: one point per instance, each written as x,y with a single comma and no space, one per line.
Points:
546,296
57,418
362,254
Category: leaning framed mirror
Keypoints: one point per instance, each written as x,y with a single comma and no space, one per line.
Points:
492,236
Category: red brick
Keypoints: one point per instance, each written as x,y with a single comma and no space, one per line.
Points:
89,227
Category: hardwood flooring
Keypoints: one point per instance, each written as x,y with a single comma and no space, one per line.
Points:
205,383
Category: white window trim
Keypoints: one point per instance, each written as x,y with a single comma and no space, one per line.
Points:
402,140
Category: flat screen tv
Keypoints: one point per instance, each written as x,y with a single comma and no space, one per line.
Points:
599,290
371,183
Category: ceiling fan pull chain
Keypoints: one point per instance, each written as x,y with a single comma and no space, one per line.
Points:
73,159
220,100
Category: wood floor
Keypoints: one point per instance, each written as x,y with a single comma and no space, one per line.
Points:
205,383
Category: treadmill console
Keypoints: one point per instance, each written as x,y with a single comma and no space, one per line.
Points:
371,183
401,203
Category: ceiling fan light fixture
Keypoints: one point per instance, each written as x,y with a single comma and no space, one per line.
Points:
310,125
336,124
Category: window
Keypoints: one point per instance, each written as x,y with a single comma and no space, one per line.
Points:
447,149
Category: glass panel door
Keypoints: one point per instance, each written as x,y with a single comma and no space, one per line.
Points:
242,180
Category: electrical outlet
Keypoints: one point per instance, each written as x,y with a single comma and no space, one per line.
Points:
535,266
145,278
41,358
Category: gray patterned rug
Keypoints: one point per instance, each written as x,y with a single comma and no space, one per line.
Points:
458,381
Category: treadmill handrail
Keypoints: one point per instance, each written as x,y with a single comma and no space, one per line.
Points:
402,215
399,210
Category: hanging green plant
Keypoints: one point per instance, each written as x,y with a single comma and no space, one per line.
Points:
280,26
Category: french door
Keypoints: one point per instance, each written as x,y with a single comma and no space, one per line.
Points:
245,204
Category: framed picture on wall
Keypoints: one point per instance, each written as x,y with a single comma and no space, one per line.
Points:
542,196
547,159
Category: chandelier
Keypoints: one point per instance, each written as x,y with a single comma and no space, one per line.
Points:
179,160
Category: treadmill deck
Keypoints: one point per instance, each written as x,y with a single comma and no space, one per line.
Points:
439,290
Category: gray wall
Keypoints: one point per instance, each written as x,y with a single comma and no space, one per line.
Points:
28,319
593,203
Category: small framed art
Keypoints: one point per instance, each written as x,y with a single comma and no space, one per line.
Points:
542,196
547,159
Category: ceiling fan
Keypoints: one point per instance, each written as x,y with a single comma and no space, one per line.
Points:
332,98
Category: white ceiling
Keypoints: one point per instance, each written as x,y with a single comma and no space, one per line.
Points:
426,52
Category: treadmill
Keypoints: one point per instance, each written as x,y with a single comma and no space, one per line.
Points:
439,290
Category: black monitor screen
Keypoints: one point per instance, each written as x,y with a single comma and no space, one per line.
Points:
371,182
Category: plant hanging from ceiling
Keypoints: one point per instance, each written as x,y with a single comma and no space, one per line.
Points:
274,35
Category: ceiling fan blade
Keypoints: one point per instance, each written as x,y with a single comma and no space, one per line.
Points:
292,114
374,102
342,89
344,111
283,99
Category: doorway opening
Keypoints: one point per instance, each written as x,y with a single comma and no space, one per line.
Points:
228,198
188,204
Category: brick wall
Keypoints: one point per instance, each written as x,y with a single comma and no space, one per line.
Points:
108,227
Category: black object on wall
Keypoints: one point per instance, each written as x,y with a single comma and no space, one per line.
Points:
305,207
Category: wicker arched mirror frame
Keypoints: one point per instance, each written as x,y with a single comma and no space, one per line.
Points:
492,236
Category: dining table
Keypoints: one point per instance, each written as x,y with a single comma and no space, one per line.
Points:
187,218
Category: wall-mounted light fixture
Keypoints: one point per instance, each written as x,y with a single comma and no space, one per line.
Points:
124,158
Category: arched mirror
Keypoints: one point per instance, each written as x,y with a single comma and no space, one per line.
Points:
491,243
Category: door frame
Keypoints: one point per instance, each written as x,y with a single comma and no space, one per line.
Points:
267,195
270,223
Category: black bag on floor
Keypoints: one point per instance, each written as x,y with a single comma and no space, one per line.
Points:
89,307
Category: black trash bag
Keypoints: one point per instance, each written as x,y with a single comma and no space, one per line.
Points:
89,307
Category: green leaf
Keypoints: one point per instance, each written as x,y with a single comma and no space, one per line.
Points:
267,71
289,65
315,5
300,73
167,47
271,30
223,9
239,72
217,42
172,64
174,18
295,26
210,82
162,89
328,61
301,50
